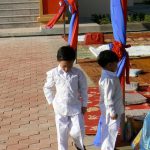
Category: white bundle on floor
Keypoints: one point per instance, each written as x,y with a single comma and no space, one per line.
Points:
133,51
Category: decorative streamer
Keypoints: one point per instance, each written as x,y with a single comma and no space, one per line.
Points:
74,23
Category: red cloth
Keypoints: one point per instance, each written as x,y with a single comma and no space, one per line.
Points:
73,4
74,39
62,9
74,10
119,49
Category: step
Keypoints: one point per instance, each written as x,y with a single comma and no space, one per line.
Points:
6,25
19,11
14,5
18,18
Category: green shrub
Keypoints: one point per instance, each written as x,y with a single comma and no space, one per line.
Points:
104,19
141,16
147,2
95,18
134,17
147,18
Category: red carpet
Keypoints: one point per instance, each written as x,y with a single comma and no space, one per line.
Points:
93,112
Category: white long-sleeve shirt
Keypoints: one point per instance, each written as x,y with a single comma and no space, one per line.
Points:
65,90
111,93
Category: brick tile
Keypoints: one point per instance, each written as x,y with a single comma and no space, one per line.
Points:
29,133
45,132
47,148
29,141
9,127
3,146
20,122
44,143
30,118
35,148
12,112
54,146
44,126
41,135
17,147
43,119
33,110
19,116
3,137
4,131
38,121
6,110
26,111
51,122
53,138
12,141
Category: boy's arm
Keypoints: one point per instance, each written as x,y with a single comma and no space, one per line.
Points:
109,91
83,89
48,88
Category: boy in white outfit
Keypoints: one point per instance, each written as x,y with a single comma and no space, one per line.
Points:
111,101
66,90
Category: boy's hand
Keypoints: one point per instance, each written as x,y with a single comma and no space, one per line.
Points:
83,110
114,117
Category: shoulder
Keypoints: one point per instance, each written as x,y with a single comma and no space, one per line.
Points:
53,71
107,81
77,70
107,78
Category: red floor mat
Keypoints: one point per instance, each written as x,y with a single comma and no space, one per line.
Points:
93,112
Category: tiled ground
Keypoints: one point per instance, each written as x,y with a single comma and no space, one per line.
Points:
26,121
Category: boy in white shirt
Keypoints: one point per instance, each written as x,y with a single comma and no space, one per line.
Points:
111,101
66,90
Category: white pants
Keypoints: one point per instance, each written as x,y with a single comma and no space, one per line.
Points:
73,125
109,131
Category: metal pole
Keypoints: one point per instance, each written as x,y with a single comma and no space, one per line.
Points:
124,7
64,21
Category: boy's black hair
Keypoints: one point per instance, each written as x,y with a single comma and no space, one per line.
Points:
107,56
66,53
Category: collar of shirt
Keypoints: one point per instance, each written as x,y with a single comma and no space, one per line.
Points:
109,73
61,71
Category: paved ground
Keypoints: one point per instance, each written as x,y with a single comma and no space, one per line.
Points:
26,120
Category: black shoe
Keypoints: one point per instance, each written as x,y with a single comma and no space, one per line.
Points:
79,148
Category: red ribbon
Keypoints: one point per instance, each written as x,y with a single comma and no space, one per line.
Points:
62,9
73,4
119,49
